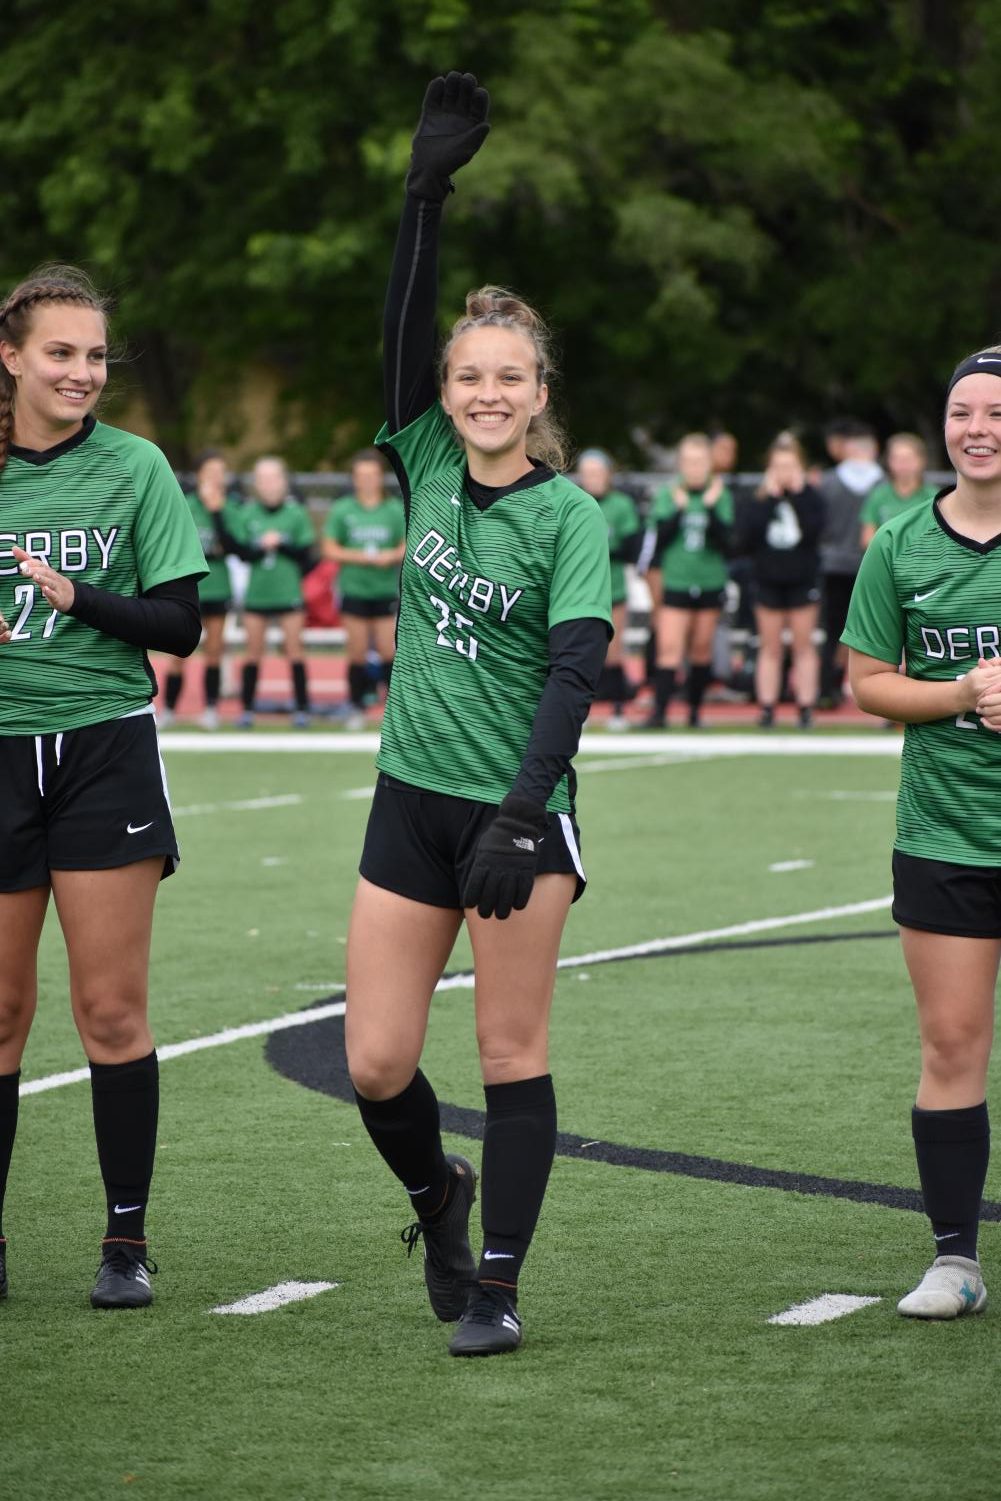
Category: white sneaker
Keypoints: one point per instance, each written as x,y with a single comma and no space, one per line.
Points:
209,718
951,1286
617,723
165,718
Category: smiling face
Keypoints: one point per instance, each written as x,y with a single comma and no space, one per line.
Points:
491,392
973,428
60,369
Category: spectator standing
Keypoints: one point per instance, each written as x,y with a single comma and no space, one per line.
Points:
844,489
906,457
781,537
364,535
625,536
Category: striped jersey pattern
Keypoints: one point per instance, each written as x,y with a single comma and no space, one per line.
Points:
108,511
934,598
480,591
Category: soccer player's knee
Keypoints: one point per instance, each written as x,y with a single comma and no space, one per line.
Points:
950,1051
377,1075
111,1022
15,1016
506,1056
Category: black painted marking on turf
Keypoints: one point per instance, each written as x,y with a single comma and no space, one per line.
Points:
316,1059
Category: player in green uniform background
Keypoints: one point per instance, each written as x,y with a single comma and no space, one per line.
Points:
690,527
364,534
273,532
212,511
503,626
625,535
906,457
99,562
929,590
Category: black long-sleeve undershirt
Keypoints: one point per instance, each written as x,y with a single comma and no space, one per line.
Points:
408,327
164,618
576,656
250,552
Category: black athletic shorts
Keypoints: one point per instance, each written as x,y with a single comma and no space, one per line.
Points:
786,596
275,612
214,607
368,609
421,844
87,799
939,897
693,599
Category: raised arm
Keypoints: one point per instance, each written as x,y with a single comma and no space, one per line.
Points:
452,127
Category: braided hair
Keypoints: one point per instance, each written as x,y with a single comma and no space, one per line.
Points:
52,283
494,307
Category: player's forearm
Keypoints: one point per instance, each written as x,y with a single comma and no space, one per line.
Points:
408,330
577,649
167,618
891,695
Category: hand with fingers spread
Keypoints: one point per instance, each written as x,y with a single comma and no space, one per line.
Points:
59,591
506,858
452,128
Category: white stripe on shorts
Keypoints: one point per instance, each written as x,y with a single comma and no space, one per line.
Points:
572,845
38,764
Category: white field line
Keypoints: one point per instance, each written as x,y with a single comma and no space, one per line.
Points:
850,797
357,794
635,763
276,1297
781,866
696,747
242,805
823,1310
465,982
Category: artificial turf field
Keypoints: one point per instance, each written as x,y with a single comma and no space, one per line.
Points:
649,1367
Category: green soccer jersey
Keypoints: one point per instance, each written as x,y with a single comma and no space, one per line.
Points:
883,503
368,529
622,522
690,561
215,586
933,597
480,592
275,581
103,508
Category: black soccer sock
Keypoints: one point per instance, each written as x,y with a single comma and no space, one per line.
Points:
406,1131
696,684
9,1096
386,672
248,686
300,687
519,1143
126,1099
953,1148
619,689
357,683
664,679
213,681
173,683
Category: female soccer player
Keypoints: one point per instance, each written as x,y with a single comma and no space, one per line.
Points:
99,562
928,591
625,537
781,533
504,620
207,502
684,557
364,535
274,534
906,457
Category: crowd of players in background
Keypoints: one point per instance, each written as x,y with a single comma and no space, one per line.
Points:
725,586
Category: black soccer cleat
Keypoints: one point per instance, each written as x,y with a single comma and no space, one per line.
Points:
489,1326
123,1276
3,1269
449,1267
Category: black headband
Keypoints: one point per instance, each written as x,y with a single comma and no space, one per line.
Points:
977,364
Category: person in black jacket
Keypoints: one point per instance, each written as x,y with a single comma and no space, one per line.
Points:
782,533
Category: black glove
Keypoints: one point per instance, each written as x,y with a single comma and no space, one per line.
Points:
452,128
503,870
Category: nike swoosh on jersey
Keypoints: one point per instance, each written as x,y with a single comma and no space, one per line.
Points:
920,598
139,827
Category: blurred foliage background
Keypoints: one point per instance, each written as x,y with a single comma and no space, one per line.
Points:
750,213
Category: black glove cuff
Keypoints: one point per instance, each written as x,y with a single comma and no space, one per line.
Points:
423,183
525,811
